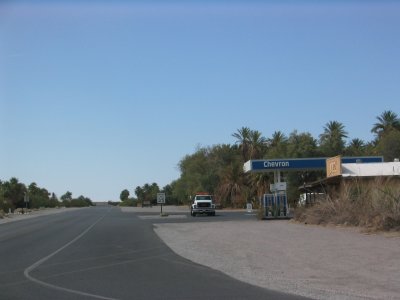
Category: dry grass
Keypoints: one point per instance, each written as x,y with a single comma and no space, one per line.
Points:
374,205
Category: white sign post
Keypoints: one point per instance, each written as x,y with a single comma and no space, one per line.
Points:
161,199
249,207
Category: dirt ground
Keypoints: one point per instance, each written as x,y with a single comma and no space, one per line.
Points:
312,261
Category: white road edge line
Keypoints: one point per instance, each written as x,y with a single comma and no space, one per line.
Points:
48,285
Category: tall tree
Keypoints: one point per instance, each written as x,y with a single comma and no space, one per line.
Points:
199,171
356,147
38,197
53,202
301,145
389,145
154,189
139,193
259,183
14,192
277,145
256,144
168,190
332,139
387,121
242,137
147,192
5,204
232,188
124,195
223,154
67,196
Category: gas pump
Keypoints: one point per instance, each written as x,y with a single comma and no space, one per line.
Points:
275,204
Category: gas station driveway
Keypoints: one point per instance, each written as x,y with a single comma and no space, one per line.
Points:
182,214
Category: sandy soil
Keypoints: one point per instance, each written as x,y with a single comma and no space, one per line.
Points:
312,261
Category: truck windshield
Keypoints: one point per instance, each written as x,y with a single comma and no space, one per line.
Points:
203,197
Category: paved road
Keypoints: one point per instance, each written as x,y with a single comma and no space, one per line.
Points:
102,253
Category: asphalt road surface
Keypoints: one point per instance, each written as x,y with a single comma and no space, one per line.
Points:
102,253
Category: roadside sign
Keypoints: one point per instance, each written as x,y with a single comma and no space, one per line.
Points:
160,198
249,207
334,166
279,186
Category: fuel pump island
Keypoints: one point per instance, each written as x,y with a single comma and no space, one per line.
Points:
275,203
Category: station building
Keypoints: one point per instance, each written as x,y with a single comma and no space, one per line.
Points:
340,177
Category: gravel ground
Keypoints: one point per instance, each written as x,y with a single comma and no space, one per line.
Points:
312,261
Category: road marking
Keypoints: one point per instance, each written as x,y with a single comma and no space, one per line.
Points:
151,257
52,286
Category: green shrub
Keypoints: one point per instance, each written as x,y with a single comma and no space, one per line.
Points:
129,202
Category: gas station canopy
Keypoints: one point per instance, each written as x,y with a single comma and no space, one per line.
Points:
300,164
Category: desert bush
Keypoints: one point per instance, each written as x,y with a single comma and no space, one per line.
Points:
373,204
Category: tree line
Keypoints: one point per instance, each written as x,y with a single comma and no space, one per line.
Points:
146,193
14,193
218,169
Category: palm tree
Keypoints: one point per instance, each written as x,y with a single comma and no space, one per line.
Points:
388,121
278,137
256,144
242,137
356,147
232,187
260,183
332,139
277,144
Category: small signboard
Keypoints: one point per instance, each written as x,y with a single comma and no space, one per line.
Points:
334,166
249,207
276,187
160,198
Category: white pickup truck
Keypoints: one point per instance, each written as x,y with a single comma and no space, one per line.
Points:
202,204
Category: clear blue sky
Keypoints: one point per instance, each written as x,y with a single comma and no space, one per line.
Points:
100,96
